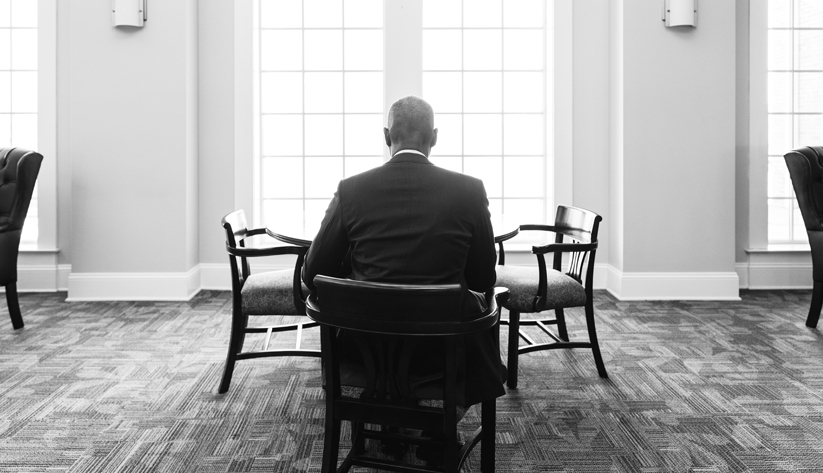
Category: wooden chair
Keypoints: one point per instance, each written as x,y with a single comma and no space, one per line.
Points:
806,170
540,289
278,292
18,173
387,322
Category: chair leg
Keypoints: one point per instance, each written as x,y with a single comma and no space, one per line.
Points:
598,359
488,421
14,306
817,303
514,344
238,335
561,325
331,443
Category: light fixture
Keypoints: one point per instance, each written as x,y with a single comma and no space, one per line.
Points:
680,12
128,12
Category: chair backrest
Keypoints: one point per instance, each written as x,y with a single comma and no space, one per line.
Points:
386,322
806,171
18,173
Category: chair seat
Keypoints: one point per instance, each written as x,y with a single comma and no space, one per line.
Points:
563,291
270,293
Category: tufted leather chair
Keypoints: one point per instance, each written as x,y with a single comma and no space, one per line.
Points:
18,172
806,170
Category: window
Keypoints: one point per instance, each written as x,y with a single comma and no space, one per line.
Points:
795,104
19,87
322,97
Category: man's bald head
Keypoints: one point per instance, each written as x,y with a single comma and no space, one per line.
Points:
411,119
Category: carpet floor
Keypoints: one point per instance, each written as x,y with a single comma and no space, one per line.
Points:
693,386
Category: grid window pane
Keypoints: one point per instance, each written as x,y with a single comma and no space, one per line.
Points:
5,49
780,184
482,13
808,92
483,92
442,50
5,130
324,92
443,91
24,130
364,50
523,134
524,210
24,92
283,216
808,130
363,13
322,176
808,13
780,13
523,92
798,226
324,135
808,53
323,50
489,169
780,92
364,92
281,92
482,49
281,13
523,13
323,13
282,177
281,50
449,134
5,92
442,14
364,135
482,134
23,13
780,50
357,164
780,220
282,135
523,176
523,50
780,134
5,13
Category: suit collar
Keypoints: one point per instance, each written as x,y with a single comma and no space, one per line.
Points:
409,158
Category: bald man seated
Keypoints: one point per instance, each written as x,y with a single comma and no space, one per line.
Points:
411,222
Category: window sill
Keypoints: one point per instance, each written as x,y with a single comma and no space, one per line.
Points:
33,248
782,248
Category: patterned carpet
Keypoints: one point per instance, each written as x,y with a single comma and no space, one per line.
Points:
694,386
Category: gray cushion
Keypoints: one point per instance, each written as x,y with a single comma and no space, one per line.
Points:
563,291
270,293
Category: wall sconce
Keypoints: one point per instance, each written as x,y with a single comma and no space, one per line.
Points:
680,13
128,12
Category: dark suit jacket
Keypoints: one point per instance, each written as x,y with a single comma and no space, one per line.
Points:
411,222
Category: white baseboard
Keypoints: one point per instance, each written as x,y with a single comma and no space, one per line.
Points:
673,286
134,286
778,275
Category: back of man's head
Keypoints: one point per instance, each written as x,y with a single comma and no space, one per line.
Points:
411,119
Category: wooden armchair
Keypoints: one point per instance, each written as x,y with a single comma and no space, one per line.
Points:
388,322
539,289
278,292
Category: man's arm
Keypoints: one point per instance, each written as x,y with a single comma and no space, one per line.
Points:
328,249
480,272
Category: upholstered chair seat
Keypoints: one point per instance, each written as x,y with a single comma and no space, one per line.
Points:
270,292
522,283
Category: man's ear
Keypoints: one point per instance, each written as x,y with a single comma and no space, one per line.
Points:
434,138
386,135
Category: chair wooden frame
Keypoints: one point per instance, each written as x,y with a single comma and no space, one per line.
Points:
575,232
236,234
384,332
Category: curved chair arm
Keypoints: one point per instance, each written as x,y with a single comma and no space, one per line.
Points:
267,251
563,248
499,239
288,239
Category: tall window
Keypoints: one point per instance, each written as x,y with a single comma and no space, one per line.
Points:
321,90
18,86
483,72
795,104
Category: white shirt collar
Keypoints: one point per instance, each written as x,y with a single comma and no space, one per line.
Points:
414,151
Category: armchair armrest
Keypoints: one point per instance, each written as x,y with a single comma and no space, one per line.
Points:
268,251
563,248
288,239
